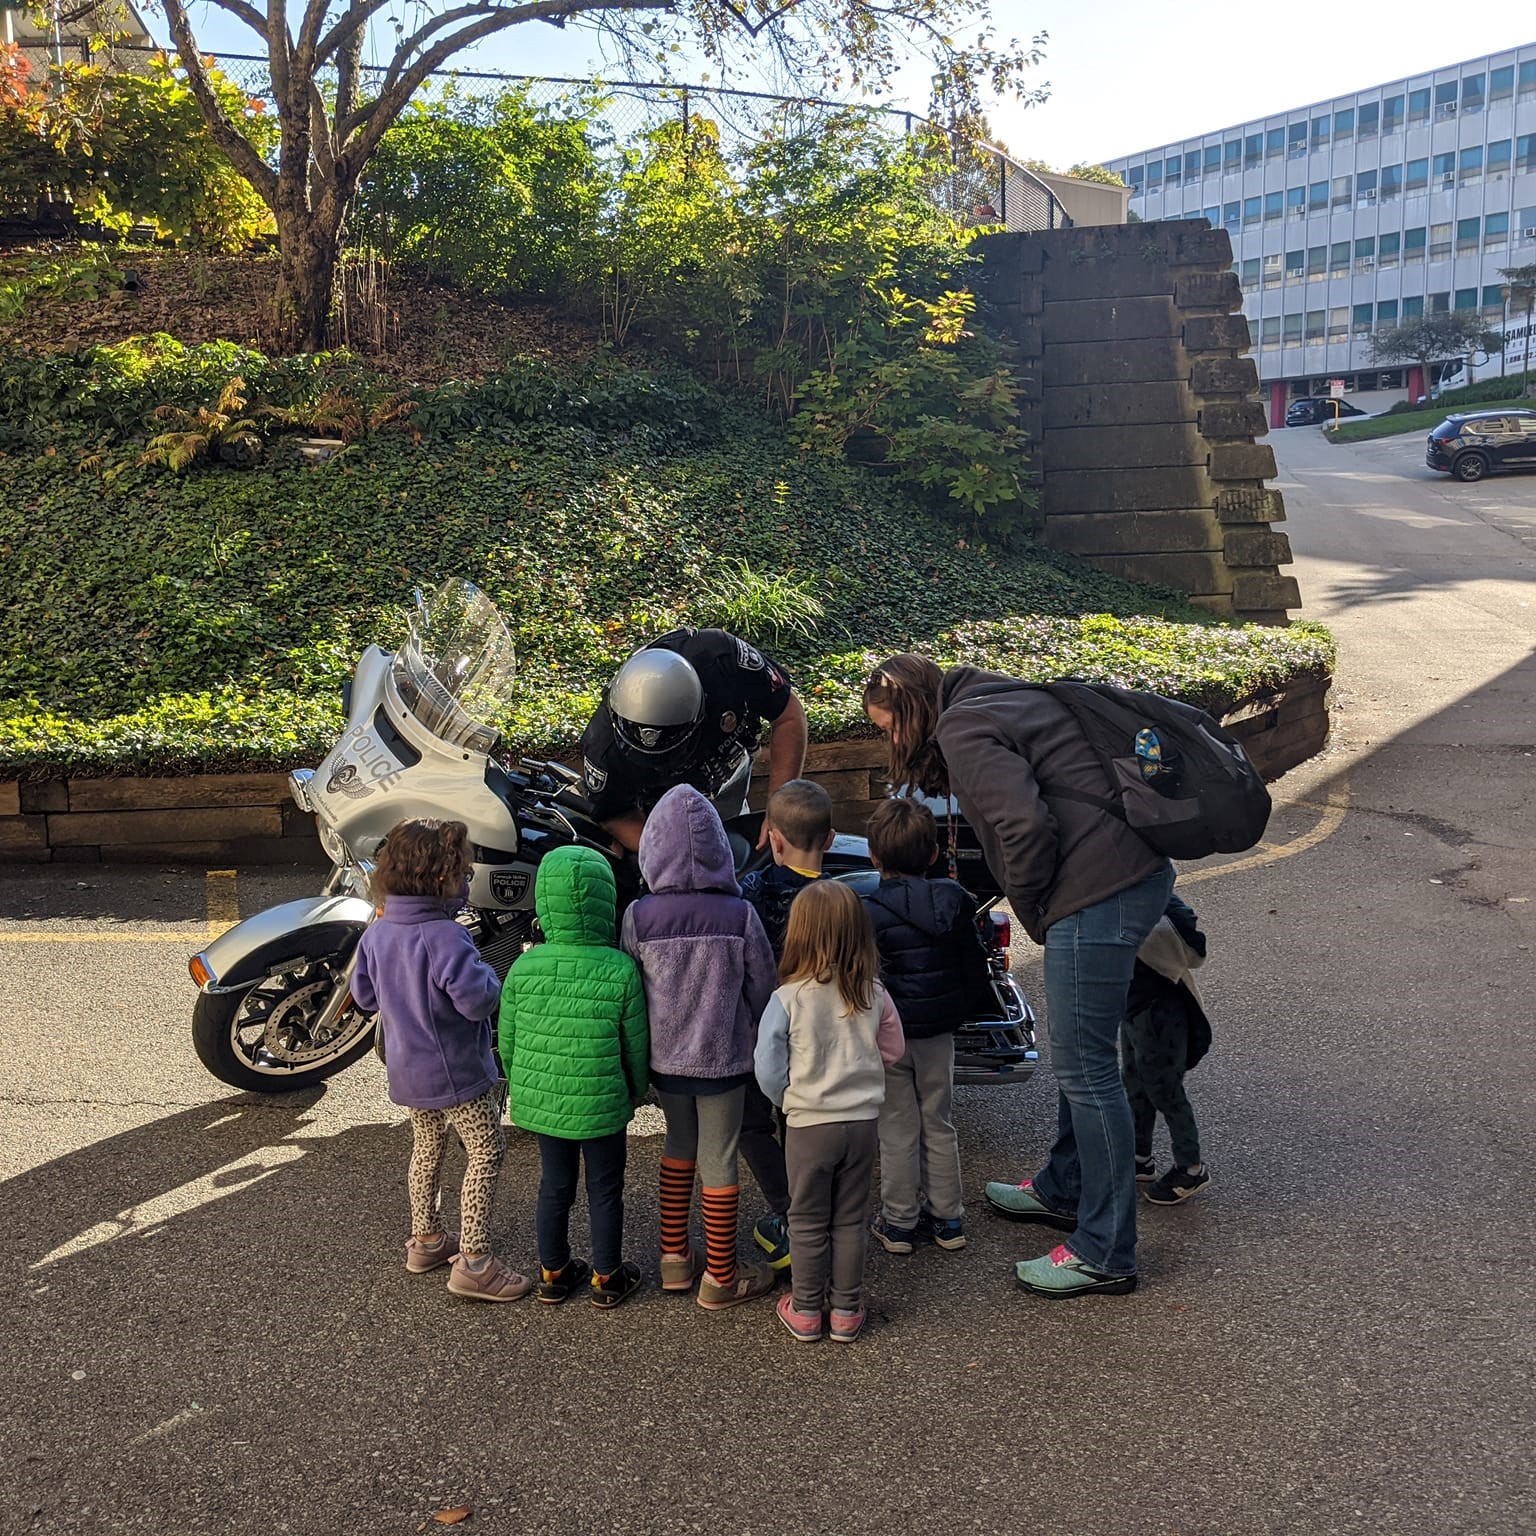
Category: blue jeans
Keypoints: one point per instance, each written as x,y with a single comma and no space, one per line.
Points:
1090,1172
605,1157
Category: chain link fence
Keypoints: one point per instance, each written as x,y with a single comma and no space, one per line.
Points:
976,183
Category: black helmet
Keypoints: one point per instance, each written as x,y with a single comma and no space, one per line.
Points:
657,705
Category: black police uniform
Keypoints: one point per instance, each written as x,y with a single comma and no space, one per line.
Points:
743,690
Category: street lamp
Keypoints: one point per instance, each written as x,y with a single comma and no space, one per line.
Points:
1504,350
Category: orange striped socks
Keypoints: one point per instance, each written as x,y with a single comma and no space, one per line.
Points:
720,1233
676,1198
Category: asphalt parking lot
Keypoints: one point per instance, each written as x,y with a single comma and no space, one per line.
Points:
210,1330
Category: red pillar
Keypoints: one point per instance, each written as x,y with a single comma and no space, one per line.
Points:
1277,405
1416,383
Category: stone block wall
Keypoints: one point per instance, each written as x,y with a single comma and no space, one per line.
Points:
1142,411
237,819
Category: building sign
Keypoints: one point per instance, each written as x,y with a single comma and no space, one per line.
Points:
1517,346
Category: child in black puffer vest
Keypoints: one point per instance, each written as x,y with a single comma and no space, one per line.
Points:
934,966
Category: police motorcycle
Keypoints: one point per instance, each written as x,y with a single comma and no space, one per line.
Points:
274,1009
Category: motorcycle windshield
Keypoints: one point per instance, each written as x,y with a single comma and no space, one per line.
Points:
455,670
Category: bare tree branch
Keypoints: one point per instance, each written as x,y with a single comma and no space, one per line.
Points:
226,135
348,26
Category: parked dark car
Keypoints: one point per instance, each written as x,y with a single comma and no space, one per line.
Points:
1312,411
1479,442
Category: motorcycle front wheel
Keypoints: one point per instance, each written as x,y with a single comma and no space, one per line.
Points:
265,1038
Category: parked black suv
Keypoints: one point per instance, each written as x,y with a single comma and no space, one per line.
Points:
1312,411
1472,445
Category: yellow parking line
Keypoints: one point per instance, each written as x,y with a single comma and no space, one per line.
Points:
1328,823
197,936
223,899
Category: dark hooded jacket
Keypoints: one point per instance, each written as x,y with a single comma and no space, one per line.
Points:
931,956
703,955
1006,752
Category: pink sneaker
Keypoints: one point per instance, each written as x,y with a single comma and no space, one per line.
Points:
846,1325
487,1280
421,1258
805,1326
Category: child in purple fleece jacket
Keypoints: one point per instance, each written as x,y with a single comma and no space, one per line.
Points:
419,971
708,974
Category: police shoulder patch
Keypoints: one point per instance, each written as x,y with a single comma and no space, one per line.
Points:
597,778
748,657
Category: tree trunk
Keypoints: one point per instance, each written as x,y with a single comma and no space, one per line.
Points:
309,250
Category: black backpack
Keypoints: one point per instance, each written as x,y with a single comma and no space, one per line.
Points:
1176,778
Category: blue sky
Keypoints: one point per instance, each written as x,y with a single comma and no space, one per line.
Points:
1125,75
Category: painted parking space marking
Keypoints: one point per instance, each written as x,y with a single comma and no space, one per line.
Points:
221,901
1331,815
221,895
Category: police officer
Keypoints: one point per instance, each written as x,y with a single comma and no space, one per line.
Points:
683,710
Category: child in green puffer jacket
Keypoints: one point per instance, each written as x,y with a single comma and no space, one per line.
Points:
575,1047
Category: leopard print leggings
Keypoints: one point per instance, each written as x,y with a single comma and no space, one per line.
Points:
479,1126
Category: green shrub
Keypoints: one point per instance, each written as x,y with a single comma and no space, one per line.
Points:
1484,392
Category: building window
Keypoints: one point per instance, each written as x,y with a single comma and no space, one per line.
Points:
1273,204
1232,153
1341,189
1232,214
1501,83
1274,143
1365,188
1360,320
1370,120
1318,196
1136,175
1470,164
1212,159
1391,183
1445,99
1413,244
1317,261
1212,216
1296,142
1154,173
1365,253
1418,175
1495,231
1527,81
1468,233
1251,207
1439,241
1344,123
1317,321
1466,298
1271,331
1253,149
1386,315
1338,256
1472,93
1249,273
1296,203
1525,152
1418,105
1493,297
1439,303
1445,170
1413,309
1272,270
1388,250
1338,324
1392,114
1498,159
1295,265
1320,129
1171,169
1292,329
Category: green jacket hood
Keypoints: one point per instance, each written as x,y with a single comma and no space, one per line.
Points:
575,897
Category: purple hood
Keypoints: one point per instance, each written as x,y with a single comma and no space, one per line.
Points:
684,846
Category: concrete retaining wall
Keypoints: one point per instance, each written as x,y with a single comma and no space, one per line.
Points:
1142,411
248,818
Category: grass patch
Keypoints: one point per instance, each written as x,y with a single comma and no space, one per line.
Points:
1411,421
205,620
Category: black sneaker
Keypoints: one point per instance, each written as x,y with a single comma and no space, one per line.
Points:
610,1290
1176,1185
1146,1169
557,1285
894,1239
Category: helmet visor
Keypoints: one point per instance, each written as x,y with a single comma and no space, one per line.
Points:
662,746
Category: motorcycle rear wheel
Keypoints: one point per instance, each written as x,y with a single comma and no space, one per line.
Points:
262,1039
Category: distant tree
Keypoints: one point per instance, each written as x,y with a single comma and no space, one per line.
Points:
1437,338
1099,173
1522,293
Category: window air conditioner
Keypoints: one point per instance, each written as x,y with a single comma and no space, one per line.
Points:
1368,196
1366,263
1529,232
1448,182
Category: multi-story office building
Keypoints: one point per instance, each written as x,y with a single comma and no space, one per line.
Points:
1361,212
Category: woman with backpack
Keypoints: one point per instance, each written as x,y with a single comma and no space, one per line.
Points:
1082,884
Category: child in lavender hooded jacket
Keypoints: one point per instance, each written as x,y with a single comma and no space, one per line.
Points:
708,973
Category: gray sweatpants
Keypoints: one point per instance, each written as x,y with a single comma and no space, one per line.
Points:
919,1150
831,1168
704,1129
